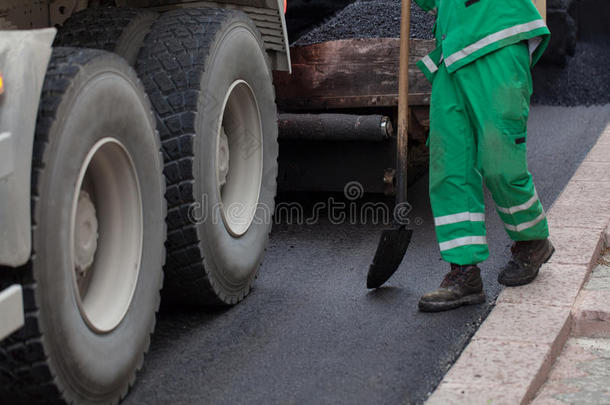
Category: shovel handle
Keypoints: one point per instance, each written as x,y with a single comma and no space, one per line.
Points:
403,104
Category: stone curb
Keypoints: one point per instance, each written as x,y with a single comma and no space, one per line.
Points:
512,353
591,313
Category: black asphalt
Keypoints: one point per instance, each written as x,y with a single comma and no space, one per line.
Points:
311,333
370,19
585,80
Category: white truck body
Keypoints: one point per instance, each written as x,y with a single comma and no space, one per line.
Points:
24,56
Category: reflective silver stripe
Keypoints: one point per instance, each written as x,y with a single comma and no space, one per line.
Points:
466,240
429,64
495,37
525,225
521,207
533,44
461,217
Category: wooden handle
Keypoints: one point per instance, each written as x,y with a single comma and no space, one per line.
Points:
403,104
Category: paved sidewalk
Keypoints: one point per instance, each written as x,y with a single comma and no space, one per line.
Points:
512,354
581,374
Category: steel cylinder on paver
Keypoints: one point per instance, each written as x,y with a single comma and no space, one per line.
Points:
335,127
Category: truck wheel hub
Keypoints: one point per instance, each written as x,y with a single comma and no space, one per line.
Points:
239,158
107,221
223,157
86,234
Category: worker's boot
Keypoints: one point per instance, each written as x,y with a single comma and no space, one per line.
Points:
528,257
461,286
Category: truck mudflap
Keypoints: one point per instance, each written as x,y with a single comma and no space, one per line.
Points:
11,310
24,56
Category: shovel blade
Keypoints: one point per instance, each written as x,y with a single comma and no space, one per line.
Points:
390,252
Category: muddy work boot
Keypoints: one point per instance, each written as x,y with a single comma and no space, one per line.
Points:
527,258
461,286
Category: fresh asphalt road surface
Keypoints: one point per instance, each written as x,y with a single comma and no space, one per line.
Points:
311,333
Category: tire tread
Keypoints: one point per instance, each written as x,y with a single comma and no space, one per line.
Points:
170,64
26,375
101,28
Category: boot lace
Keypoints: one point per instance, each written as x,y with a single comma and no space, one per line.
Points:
453,276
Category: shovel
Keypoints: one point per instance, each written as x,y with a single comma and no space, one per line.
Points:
394,242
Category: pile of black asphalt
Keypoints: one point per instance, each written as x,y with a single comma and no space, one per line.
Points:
370,19
304,15
584,80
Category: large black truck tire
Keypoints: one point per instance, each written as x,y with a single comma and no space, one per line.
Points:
91,287
208,78
118,30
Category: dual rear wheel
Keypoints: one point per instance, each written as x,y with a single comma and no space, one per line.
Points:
121,185
210,84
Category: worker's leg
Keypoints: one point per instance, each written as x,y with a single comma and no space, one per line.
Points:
498,89
456,193
456,196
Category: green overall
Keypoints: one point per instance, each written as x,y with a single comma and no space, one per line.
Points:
481,88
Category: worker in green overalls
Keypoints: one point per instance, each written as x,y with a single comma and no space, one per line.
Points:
481,88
